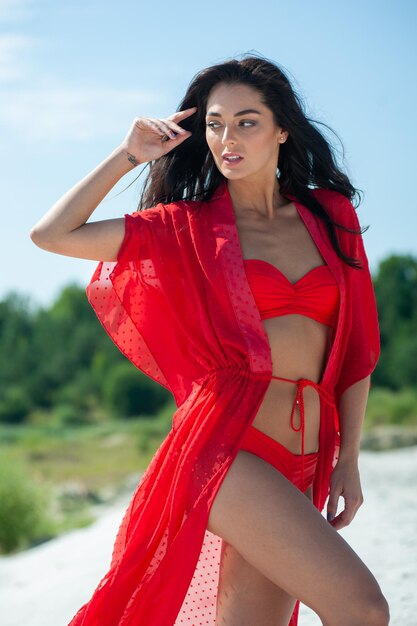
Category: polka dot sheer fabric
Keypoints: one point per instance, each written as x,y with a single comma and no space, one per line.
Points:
178,304
199,606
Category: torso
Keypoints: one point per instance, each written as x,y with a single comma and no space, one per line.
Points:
299,344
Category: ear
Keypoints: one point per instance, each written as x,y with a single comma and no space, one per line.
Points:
283,136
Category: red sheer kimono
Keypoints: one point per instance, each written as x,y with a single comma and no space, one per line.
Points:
178,304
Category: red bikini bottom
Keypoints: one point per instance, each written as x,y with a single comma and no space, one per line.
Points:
297,468
277,455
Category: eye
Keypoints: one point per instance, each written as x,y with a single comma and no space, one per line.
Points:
213,124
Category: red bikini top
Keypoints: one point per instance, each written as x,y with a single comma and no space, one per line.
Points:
315,295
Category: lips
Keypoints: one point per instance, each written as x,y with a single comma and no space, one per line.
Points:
231,157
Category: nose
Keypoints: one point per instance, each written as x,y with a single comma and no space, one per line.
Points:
228,135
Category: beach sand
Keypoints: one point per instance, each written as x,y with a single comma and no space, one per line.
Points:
46,585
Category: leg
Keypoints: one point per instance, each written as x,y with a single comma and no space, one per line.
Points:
247,597
281,534
243,592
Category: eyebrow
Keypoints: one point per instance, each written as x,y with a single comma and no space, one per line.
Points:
244,112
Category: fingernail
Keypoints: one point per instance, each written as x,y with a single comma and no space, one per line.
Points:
330,517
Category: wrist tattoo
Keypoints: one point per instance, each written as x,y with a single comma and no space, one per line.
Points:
132,159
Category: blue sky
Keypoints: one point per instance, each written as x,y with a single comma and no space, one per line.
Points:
74,74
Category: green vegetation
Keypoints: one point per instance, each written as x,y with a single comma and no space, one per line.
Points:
396,293
23,512
51,474
60,360
76,418
388,407
97,454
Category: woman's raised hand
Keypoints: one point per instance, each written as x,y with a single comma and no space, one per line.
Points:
65,229
150,138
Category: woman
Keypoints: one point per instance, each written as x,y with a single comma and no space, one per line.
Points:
245,290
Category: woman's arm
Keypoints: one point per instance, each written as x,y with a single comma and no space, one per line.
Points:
345,480
63,229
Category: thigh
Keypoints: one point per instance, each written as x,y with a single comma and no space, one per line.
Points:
246,597
280,533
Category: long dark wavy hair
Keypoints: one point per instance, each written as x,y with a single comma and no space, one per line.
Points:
306,159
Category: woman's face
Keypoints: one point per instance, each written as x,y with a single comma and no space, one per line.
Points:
238,122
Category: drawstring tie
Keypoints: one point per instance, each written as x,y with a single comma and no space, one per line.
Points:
302,383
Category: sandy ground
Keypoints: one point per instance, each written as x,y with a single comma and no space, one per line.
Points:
46,585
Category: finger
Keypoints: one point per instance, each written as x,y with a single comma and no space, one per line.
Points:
178,138
346,516
332,504
338,522
341,520
156,126
173,131
176,131
180,115
176,128
165,128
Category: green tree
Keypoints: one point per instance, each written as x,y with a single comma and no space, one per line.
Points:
16,357
128,392
396,293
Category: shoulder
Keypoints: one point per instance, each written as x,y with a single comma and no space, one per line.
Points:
147,215
166,225
163,212
338,206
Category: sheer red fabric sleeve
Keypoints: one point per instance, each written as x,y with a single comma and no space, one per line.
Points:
362,342
140,300
363,348
116,293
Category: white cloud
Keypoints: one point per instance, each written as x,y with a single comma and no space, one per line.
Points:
62,114
13,58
